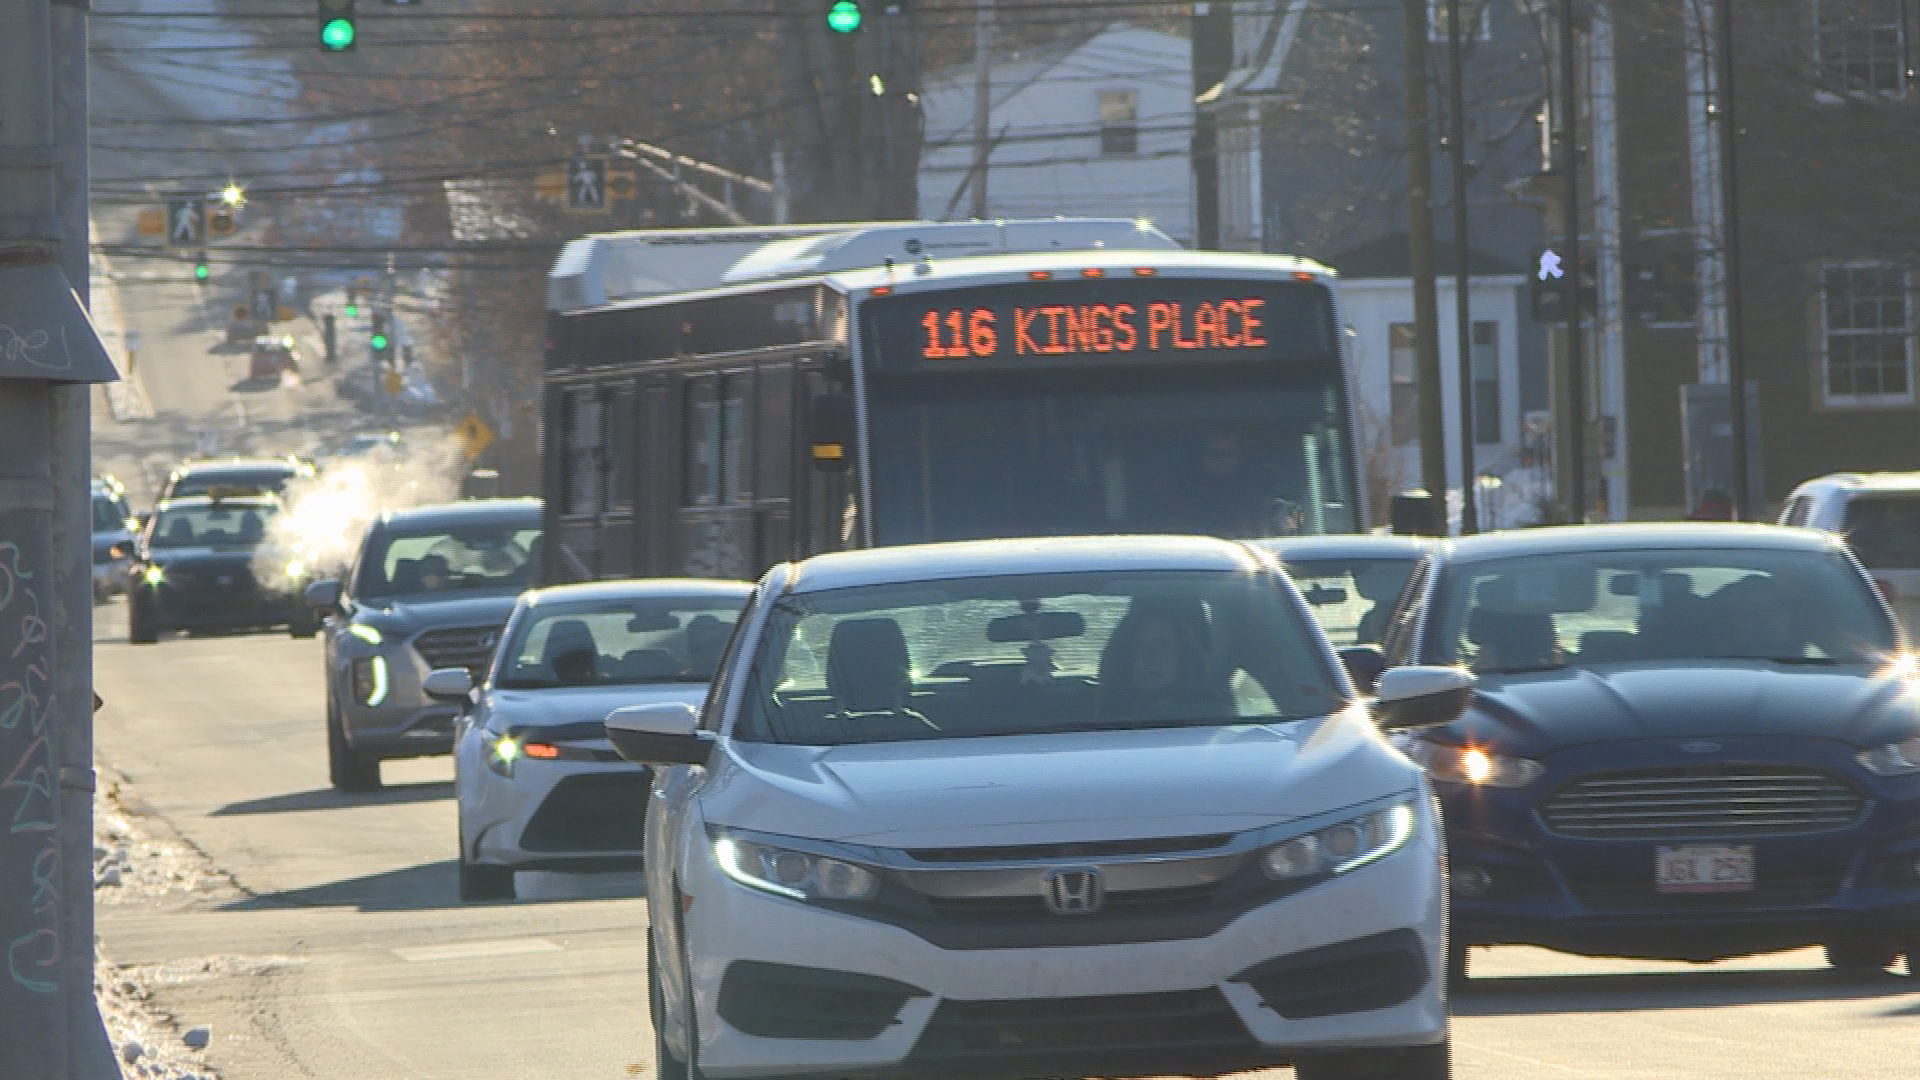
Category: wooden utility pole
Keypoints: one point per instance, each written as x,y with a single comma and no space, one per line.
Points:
982,102
1462,305
1742,492
1567,153
1426,302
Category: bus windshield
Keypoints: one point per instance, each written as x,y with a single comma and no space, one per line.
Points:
1221,452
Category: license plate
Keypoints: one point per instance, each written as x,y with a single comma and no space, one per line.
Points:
1703,868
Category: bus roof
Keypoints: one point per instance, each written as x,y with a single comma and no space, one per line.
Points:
612,268
1065,265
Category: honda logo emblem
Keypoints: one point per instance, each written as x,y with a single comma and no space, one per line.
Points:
1078,890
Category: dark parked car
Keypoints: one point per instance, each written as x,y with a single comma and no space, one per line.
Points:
113,542
431,588
208,563
1690,742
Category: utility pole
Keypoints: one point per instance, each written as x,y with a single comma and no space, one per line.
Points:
1462,305
49,1024
982,102
1568,121
1730,251
1212,63
1426,303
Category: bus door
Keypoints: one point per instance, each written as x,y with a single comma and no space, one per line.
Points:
716,514
773,481
827,503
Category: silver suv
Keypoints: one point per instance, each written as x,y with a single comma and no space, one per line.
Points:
430,589
1879,515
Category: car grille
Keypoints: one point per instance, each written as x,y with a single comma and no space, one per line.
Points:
469,647
1096,849
1722,802
1117,904
977,1030
596,812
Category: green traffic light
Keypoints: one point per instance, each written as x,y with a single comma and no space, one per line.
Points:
379,343
844,17
353,311
200,271
337,34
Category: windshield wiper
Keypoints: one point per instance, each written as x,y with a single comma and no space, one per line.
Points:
1526,670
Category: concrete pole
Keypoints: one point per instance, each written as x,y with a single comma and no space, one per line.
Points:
1742,492
90,1054
1462,303
982,102
1426,301
35,889
1575,497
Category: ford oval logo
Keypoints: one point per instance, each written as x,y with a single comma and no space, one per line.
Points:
1701,746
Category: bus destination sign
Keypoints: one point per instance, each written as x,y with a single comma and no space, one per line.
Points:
1045,323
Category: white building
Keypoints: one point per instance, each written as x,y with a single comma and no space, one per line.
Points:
1098,127
1379,314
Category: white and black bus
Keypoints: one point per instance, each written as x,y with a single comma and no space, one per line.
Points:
1109,389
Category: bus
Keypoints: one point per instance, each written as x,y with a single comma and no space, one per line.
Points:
1107,385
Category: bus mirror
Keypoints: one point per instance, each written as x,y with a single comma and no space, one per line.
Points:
831,430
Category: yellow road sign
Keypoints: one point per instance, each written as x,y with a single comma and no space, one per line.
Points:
550,184
475,435
153,221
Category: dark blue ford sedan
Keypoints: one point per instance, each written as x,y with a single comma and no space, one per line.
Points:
1690,742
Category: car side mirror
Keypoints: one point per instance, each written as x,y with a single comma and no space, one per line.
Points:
1416,697
451,685
1365,664
665,734
322,595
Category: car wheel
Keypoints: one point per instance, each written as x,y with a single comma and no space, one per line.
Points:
1456,968
350,771
666,1066
479,883
304,623
141,625
1861,955
1388,1063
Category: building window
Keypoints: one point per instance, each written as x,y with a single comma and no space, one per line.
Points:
1860,48
1486,382
1403,400
1119,122
1866,334
1475,15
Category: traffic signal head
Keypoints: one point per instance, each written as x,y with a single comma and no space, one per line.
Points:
353,305
379,340
844,17
200,269
338,30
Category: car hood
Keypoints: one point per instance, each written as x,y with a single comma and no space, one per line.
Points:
195,556
1536,713
1081,786
578,713
458,609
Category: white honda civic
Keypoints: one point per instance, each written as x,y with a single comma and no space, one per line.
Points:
537,784
1063,807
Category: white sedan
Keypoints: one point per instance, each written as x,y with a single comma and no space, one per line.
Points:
537,783
1066,807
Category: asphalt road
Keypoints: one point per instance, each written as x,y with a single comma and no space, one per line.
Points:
334,946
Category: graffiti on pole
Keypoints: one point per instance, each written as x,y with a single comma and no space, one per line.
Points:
29,790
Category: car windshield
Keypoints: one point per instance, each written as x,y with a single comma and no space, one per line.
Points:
619,642
218,525
1034,654
464,558
1351,597
110,513
206,481
1587,609
1884,531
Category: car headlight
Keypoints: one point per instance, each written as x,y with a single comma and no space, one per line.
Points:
1472,765
499,752
1339,848
802,875
153,576
1894,759
368,634
370,679
296,569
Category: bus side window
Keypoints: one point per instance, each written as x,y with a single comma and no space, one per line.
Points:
622,416
701,454
735,469
775,479
583,473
